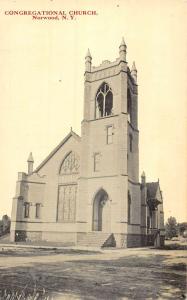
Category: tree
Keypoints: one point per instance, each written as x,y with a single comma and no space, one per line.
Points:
182,227
171,227
5,224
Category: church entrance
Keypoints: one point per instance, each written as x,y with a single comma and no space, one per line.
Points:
100,211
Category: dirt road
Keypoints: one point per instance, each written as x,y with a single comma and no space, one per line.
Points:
109,274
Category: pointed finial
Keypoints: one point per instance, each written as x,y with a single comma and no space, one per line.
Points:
30,158
122,50
88,54
71,129
133,67
134,71
88,61
123,42
143,177
30,162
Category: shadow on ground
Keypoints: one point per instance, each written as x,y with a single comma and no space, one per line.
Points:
129,277
29,252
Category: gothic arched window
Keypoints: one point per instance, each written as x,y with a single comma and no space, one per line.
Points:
70,164
129,106
104,101
67,188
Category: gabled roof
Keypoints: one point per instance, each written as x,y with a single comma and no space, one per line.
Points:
71,134
152,199
152,188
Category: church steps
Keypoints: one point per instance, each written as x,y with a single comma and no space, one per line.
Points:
97,239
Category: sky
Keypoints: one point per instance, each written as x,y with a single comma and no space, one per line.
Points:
42,82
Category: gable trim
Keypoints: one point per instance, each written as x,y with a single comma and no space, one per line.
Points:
71,134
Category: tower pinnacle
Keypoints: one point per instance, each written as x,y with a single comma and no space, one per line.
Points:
143,178
134,71
123,42
30,162
88,54
88,61
122,50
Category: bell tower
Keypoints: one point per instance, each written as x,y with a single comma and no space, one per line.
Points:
110,154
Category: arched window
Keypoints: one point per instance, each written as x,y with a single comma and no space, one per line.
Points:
67,188
104,101
70,164
129,106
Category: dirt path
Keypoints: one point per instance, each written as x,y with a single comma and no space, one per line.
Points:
111,274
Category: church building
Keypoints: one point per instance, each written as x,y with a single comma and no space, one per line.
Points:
87,192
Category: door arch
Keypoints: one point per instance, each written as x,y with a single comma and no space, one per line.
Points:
99,204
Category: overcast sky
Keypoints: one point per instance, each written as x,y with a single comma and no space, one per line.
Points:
41,86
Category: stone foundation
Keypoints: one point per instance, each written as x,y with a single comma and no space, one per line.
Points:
72,238
130,240
121,240
25,236
134,240
80,237
66,238
143,240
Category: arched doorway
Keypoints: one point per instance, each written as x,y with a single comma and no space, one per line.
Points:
99,205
